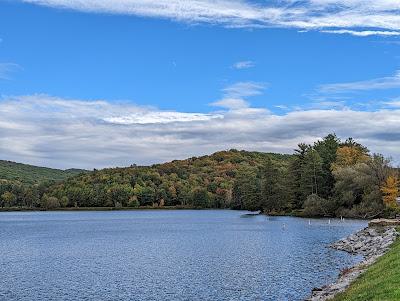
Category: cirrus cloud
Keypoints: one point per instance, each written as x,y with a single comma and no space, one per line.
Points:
358,17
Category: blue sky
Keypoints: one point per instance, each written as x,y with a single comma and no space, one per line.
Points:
179,68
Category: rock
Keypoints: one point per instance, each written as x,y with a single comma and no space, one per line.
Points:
384,222
371,242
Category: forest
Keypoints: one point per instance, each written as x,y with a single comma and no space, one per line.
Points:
327,178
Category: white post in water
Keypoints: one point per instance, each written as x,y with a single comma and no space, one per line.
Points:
309,222
329,222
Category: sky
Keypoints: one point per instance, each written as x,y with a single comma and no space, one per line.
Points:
103,83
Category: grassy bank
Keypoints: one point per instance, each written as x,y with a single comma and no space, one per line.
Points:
381,282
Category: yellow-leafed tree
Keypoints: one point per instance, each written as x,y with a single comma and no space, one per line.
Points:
390,190
348,156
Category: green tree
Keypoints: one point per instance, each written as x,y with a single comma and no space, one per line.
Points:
271,197
120,194
305,173
199,197
247,190
8,199
327,150
312,172
49,202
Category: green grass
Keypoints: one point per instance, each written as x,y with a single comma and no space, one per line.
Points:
381,282
29,174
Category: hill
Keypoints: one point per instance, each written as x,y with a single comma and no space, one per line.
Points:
328,178
29,174
205,181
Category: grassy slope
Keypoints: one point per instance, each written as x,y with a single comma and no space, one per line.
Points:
29,174
381,282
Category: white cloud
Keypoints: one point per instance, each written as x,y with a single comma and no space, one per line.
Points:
64,133
393,103
243,65
244,89
7,69
159,117
231,103
373,16
389,82
235,94
364,33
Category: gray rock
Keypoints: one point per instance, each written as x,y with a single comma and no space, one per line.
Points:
371,242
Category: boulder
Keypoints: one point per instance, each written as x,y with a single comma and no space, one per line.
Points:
384,222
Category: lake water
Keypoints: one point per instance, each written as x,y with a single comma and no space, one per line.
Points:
166,255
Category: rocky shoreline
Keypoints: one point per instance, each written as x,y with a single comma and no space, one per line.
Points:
371,242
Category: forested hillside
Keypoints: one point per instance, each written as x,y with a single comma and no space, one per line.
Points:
329,178
30,174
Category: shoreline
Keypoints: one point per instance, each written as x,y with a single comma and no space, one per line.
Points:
74,209
371,242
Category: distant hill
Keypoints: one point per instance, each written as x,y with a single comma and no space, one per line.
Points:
29,174
205,181
329,178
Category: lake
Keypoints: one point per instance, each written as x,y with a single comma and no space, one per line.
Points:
167,255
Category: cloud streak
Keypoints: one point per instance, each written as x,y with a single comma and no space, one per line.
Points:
367,17
234,96
364,33
65,133
389,82
243,65
7,69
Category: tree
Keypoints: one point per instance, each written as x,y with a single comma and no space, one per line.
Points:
358,188
306,173
317,206
120,194
327,149
8,199
246,189
49,202
133,202
312,171
199,197
349,155
390,190
296,171
145,194
270,190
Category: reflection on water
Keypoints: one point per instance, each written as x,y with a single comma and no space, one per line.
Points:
166,255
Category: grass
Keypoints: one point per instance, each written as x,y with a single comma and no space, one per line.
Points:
381,281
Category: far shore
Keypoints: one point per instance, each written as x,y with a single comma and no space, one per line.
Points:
295,213
27,209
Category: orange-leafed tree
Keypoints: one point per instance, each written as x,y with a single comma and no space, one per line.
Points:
390,190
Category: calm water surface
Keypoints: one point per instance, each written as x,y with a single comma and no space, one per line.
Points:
166,255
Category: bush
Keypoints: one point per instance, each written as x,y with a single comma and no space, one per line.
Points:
317,206
50,202
133,202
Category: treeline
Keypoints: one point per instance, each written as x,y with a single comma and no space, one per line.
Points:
328,178
196,182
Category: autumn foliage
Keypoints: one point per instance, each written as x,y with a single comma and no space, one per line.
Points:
390,190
